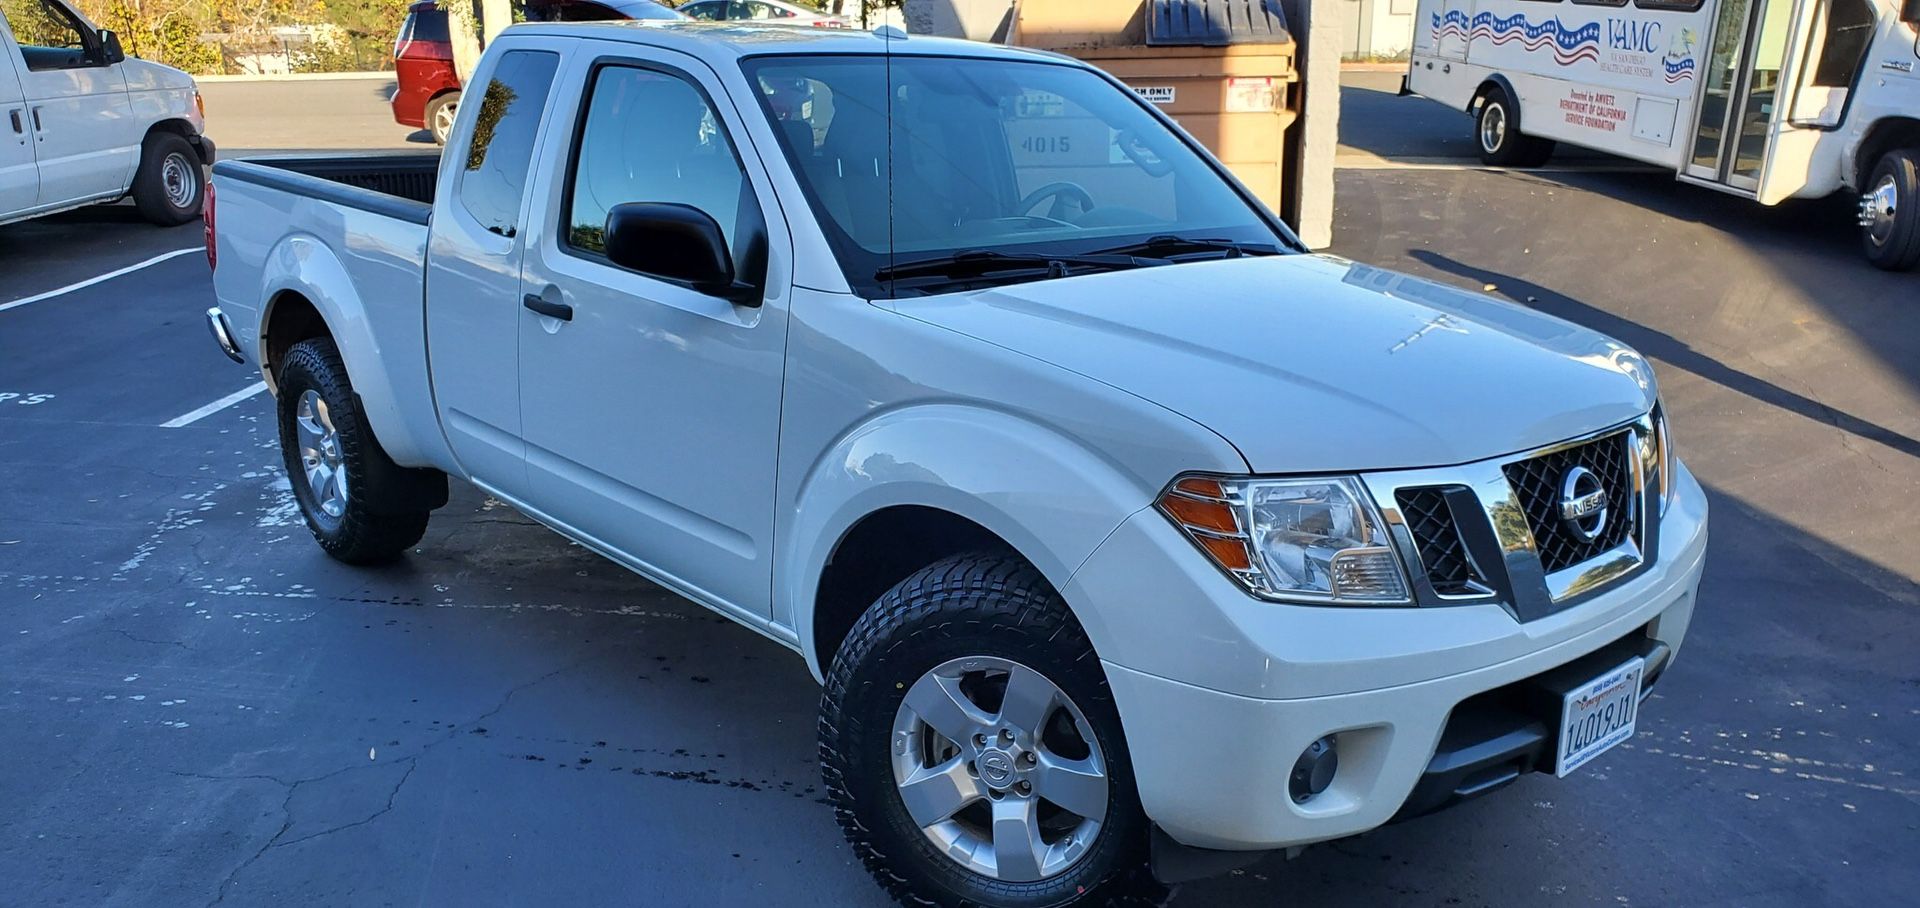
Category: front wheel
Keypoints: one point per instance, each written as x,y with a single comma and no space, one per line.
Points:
972,748
1890,212
170,186
1497,131
360,506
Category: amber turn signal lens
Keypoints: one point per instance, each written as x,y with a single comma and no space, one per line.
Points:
1230,553
1214,516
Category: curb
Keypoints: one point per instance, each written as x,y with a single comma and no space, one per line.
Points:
298,77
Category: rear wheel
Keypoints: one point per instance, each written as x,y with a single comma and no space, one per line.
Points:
170,186
360,506
439,115
972,749
1497,132
1890,212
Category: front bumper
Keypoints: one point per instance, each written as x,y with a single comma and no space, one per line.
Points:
1260,682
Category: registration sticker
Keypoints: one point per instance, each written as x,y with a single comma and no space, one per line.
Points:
1598,715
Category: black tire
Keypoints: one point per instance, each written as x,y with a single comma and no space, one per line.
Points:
438,125
171,184
1894,244
386,505
994,605
1496,133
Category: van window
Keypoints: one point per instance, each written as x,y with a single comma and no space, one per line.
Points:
501,151
651,136
49,36
1674,6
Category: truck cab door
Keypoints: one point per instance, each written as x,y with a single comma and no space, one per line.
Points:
473,263
84,134
19,179
652,409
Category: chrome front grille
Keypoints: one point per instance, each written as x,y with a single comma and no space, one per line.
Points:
1518,531
1538,481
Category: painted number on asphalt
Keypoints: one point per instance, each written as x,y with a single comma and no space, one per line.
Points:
23,398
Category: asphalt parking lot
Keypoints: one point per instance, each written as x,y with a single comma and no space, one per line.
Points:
201,708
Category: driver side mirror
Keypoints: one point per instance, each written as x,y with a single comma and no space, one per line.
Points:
110,50
678,243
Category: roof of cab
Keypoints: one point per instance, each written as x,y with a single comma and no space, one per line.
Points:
735,40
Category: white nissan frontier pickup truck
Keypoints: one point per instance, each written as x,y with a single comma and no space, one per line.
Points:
1124,534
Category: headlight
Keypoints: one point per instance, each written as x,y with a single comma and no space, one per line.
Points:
1663,449
1305,540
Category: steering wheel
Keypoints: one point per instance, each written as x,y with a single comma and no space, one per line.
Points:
1058,192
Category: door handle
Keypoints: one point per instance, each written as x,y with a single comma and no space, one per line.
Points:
14,115
36,121
540,304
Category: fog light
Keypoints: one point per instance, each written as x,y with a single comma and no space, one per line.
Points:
1313,772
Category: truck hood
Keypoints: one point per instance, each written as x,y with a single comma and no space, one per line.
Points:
1311,363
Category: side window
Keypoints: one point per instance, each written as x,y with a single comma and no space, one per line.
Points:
1678,6
49,36
501,151
650,136
1601,2
758,10
709,11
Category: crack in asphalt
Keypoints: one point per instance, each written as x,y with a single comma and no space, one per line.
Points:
286,803
137,639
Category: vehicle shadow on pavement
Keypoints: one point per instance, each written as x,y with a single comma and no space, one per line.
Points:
1667,348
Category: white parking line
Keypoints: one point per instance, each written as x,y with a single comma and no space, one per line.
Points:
192,416
95,280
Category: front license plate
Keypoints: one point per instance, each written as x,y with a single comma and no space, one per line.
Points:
1599,714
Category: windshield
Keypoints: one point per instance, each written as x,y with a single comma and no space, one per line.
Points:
992,171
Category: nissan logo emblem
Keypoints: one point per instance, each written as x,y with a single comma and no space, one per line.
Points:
1583,504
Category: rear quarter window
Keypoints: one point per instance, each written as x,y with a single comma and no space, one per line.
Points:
494,174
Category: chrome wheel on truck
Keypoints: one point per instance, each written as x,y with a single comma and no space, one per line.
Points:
999,768
1890,212
326,467
972,748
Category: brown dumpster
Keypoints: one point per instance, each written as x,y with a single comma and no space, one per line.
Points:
1223,69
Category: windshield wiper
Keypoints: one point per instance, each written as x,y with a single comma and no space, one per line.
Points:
1166,245
986,262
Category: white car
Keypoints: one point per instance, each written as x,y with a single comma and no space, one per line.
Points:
765,11
81,123
1122,531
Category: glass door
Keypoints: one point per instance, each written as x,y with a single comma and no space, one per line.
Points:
1740,92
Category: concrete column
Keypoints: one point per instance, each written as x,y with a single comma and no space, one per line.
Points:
1316,134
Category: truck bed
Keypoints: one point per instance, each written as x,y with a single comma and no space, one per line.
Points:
397,185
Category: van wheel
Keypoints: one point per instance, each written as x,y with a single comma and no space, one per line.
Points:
972,749
1497,132
440,113
356,500
170,185
1890,212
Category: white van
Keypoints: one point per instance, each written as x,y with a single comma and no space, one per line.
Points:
1768,99
81,123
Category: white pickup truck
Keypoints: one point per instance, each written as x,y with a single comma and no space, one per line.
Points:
1122,532
81,123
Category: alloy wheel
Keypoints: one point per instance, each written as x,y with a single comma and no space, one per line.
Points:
999,769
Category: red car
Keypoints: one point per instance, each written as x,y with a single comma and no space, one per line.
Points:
429,89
